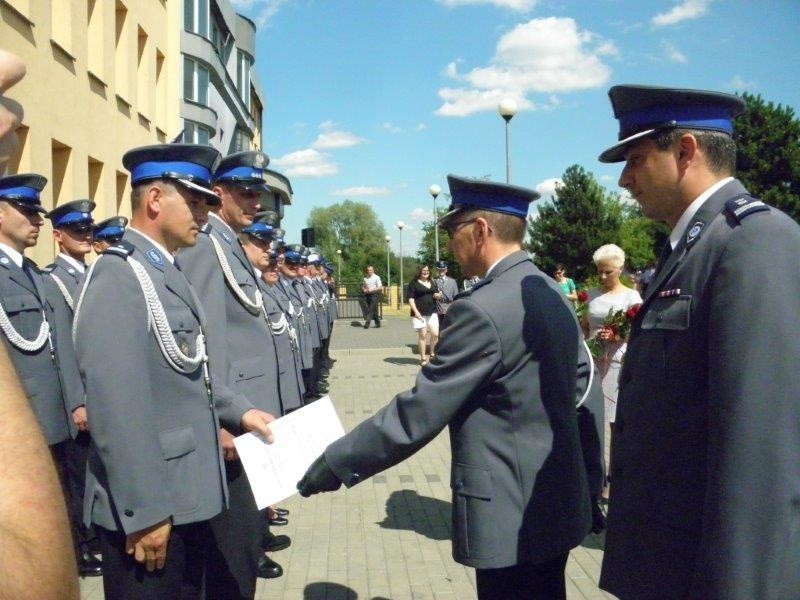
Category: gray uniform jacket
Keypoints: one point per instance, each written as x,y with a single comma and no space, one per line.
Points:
288,375
315,296
72,385
705,463
303,321
154,451
25,300
245,363
449,289
504,382
279,294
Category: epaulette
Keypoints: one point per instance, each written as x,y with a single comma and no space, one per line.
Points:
121,248
739,208
206,228
49,268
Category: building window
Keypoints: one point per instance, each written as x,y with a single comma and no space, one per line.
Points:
243,64
195,81
195,16
240,142
195,133
95,36
218,37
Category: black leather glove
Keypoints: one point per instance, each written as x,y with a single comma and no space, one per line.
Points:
318,478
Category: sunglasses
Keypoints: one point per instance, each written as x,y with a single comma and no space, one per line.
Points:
451,228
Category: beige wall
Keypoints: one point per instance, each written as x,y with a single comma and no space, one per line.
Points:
103,76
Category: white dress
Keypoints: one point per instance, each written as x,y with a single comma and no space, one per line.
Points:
609,364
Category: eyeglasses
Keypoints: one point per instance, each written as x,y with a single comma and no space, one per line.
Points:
451,228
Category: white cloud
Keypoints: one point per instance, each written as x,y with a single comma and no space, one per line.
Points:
264,9
306,163
550,55
361,191
606,178
420,127
682,11
738,84
673,54
547,188
332,138
391,127
516,5
421,214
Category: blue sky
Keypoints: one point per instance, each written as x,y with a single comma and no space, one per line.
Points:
375,100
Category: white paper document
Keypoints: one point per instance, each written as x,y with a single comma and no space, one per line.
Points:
298,439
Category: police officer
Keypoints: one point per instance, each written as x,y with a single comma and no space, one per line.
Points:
704,469
72,230
108,232
230,293
318,307
504,381
447,287
156,473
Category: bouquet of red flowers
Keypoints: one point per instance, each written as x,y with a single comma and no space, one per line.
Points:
583,303
618,325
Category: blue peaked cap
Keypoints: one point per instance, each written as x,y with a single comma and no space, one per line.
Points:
110,228
643,110
259,230
77,212
477,194
244,169
23,190
189,164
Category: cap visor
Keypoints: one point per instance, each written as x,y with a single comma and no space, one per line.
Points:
211,197
443,220
617,152
27,206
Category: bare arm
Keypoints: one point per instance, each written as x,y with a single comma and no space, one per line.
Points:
36,557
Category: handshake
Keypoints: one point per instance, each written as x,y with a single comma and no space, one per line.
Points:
318,478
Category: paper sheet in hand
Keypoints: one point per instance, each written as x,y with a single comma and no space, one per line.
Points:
299,438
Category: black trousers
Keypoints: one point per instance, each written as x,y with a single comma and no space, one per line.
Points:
527,581
237,531
70,457
372,308
188,553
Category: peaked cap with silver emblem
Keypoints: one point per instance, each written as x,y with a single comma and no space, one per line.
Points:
243,169
643,110
77,212
191,165
110,229
477,194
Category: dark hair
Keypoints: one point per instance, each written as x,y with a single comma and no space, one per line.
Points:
419,271
718,147
137,191
558,267
507,228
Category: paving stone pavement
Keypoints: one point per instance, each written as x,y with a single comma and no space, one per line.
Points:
388,537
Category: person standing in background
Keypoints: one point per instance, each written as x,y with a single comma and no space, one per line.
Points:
372,288
566,284
448,288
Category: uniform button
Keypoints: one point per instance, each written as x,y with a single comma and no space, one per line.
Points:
458,485
241,373
355,478
128,512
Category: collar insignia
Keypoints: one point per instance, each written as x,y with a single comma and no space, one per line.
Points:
226,236
694,231
154,256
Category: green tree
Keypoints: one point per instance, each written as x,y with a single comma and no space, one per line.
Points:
641,238
426,253
581,218
353,228
768,161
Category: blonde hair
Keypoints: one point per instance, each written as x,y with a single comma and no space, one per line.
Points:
609,253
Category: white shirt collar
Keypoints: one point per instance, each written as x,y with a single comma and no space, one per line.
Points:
161,248
13,254
683,222
79,266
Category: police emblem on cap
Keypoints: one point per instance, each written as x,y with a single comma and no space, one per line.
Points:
694,231
259,161
154,256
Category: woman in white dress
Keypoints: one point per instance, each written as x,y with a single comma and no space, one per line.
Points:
611,296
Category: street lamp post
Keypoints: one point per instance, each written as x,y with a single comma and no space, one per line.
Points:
339,264
400,226
388,268
434,191
507,109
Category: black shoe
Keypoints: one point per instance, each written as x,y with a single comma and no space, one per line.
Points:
279,521
268,568
89,565
273,543
377,324
366,325
281,511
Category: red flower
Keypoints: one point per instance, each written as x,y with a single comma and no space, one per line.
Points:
631,313
583,296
